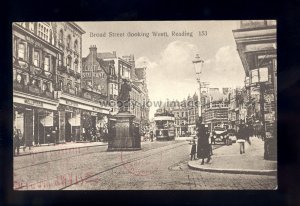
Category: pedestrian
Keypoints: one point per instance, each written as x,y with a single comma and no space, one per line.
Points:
151,136
247,134
193,150
241,138
204,148
15,137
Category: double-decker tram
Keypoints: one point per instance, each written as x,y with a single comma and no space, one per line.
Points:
164,126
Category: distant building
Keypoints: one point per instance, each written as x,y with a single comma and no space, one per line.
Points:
215,109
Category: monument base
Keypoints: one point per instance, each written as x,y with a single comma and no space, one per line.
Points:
126,137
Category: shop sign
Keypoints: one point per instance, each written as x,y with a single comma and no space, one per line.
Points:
33,102
96,109
270,117
71,103
87,95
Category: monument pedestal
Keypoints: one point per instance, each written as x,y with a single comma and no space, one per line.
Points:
126,137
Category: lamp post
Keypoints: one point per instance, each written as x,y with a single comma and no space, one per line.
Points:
198,64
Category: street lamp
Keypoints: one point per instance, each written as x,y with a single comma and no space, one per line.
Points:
198,64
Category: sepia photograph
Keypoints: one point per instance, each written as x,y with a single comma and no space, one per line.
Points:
145,105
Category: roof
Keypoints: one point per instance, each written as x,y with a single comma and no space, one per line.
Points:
77,27
106,55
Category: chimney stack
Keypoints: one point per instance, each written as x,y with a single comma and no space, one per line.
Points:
93,50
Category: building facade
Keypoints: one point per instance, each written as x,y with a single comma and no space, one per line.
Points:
215,109
257,46
49,104
34,78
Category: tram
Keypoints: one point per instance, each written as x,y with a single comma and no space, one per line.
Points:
164,126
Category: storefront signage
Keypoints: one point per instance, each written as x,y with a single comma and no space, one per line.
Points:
32,41
93,113
33,102
71,103
96,109
87,95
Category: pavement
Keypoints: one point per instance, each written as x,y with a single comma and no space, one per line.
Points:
71,145
57,147
227,159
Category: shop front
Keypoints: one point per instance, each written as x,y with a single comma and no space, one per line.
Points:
36,119
81,120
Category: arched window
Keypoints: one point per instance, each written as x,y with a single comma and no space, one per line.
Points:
76,65
61,85
69,62
61,37
69,42
76,90
76,45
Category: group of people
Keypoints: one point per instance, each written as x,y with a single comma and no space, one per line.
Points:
203,150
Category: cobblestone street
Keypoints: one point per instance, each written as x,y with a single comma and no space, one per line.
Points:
159,165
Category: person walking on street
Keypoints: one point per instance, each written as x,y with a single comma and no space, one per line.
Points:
151,136
15,140
193,150
204,149
241,138
247,134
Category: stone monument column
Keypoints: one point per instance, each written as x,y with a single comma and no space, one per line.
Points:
125,137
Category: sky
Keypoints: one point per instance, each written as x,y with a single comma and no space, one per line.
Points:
170,71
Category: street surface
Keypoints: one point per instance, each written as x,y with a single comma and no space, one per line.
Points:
159,165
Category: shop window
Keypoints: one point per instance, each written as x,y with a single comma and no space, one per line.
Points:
36,58
21,51
47,63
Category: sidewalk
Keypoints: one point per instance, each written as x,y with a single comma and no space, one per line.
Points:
227,159
57,147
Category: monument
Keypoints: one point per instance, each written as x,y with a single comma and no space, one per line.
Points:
126,133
